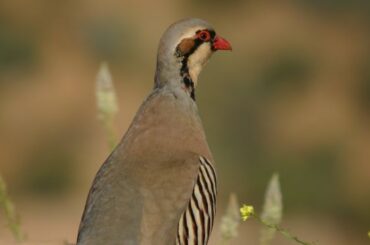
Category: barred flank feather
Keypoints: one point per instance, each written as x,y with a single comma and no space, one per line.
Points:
196,223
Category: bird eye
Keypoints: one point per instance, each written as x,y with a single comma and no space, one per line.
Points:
204,36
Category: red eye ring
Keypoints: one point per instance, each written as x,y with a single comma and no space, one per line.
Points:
204,36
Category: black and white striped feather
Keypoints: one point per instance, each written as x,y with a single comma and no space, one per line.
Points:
196,222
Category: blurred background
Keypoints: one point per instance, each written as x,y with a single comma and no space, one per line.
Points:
292,97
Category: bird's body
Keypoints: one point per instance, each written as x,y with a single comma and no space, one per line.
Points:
158,186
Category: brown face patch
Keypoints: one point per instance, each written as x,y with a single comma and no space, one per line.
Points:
185,46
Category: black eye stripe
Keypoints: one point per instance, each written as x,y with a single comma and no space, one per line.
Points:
197,43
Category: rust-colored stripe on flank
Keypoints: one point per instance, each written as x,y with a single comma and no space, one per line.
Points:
196,222
193,224
212,169
202,227
186,234
213,174
209,206
212,200
203,230
203,185
204,198
205,176
210,175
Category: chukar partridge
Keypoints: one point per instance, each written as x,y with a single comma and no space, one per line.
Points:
159,186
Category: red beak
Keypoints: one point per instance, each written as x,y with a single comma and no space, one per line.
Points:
220,43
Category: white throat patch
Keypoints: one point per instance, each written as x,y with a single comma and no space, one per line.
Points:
198,59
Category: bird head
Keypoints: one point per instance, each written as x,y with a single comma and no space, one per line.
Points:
184,49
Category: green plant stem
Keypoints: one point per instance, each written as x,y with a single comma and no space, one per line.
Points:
282,231
110,133
9,210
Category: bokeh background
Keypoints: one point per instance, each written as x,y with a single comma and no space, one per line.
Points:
292,97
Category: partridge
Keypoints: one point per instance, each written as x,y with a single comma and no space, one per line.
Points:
158,186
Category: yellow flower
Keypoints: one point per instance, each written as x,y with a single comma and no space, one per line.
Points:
246,211
368,234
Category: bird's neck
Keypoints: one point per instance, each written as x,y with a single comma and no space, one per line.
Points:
177,76
186,80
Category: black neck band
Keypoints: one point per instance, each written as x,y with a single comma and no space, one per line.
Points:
184,71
